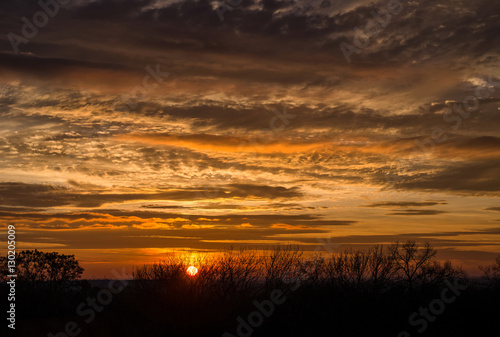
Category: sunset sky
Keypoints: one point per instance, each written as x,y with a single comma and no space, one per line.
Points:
133,129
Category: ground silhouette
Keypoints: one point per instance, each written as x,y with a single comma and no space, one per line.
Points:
398,290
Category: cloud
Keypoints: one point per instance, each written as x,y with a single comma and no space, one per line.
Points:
405,204
417,212
40,195
120,218
223,143
163,206
475,177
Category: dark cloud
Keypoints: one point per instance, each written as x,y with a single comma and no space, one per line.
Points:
19,209
417,212
194,26
438,239
38,195
48,67
163,206
405,204
470,177
118,218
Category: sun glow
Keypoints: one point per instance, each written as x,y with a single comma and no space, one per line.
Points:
192,271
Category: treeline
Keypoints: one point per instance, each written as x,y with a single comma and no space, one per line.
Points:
351,293
397,290
405,266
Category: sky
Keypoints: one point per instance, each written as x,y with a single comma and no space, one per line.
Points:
130,130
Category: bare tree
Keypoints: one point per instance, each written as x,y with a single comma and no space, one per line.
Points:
313,271
282,263
412,262
381,266
235,272
229,275
348,268
160,277
492,273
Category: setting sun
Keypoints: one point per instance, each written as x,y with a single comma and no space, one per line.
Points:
192,271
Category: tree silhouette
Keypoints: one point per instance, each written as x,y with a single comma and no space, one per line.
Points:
411,262
36,266
282,263
492,273
381,266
